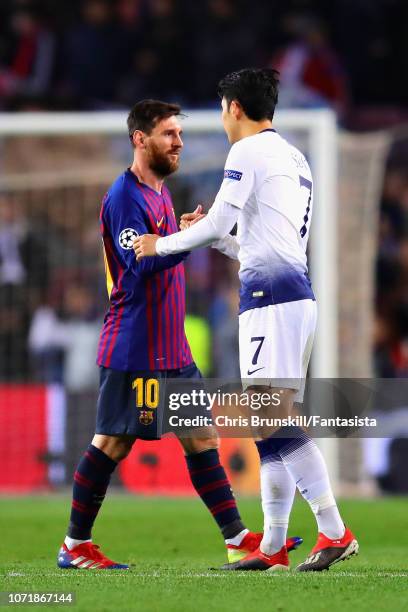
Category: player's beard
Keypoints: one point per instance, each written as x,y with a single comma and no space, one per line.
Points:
161,163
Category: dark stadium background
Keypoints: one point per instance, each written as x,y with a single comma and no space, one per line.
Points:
105,54
101,55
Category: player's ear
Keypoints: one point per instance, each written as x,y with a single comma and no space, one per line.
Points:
236,109
139,139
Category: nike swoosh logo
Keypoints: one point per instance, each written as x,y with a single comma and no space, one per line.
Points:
158,223
257,370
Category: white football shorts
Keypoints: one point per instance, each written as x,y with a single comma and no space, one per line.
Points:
275,344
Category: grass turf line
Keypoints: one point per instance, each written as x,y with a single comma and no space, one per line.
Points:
172,543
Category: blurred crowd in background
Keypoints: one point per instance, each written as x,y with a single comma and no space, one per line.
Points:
94,54
349,55
391,328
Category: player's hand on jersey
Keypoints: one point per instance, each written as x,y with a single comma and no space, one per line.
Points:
145,246
188,219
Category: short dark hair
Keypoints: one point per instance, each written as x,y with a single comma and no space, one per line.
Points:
146,114
256,89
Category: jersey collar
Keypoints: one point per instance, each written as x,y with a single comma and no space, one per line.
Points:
133,175
267,130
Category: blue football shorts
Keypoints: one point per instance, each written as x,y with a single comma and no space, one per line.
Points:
136,403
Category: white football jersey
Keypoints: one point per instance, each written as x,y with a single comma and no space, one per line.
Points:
270,181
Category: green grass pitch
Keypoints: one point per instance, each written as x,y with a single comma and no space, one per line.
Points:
172,543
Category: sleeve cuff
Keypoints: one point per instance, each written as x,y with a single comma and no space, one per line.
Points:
159,247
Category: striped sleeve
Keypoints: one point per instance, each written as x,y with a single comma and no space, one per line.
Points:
125,220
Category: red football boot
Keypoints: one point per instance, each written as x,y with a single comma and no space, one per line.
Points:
251,542
86,556
326,552
259,561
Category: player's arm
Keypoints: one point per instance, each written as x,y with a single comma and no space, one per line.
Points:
227,246
219,221
236,187
155,264
121,215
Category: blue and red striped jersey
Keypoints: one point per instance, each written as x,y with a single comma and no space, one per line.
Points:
144,326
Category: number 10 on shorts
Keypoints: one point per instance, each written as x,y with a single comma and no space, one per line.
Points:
147,392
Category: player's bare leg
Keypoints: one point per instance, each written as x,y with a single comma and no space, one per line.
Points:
116,448
91,481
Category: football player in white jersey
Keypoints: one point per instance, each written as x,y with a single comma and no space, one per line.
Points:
268,192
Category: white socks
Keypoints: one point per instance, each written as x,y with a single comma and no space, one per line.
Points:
277,491
70,543
236,541
308,469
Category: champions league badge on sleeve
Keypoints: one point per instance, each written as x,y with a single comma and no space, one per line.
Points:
126,238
